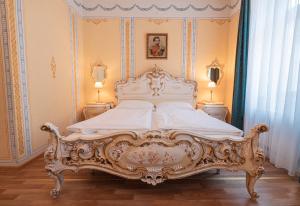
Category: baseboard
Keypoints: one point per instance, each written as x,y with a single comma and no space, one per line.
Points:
19,163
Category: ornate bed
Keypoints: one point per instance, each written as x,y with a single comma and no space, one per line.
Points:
157,155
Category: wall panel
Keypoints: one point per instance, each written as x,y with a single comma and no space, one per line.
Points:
211,44
47,35
101,45
174,29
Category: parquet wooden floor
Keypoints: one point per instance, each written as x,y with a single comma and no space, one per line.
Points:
30,185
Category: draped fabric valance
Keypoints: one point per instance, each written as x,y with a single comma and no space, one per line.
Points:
155,8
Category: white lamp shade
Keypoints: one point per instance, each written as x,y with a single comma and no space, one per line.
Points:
98,85
211,84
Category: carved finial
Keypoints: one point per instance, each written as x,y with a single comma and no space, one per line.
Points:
49,127
156,69
261,128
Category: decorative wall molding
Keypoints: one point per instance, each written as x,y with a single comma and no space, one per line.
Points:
184,41
75,64
53,67
127,47
13,42
166,8
96,21
16,79
154,6
194,47
158,21
189,48
23,76
8,79
132,47
220,21
123,51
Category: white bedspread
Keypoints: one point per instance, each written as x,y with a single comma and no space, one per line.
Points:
193,120
176,118
116,119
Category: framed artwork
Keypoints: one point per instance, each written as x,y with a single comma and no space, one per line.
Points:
157,46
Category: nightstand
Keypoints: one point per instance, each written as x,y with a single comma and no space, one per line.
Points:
216,110
94,109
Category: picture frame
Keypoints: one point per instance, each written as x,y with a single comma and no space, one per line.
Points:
157,46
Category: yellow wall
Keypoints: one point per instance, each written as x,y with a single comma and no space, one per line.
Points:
211,44
47,34
101,45
215,39
174,30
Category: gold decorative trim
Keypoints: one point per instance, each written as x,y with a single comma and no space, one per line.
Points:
220,21
15,76
75,64
96,21
158,21
53,67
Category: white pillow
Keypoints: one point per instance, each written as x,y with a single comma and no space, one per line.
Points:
135,104
175,105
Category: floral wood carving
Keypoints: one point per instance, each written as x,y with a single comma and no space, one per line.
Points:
53,67
154,156
156,85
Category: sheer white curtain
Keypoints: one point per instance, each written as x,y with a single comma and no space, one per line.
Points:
273,81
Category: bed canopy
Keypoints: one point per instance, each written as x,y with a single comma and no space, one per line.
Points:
155,8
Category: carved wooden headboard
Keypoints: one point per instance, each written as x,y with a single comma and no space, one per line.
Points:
157,86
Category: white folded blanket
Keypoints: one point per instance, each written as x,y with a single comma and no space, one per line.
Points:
195,120
116,119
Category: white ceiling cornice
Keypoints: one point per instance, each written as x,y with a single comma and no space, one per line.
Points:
155,8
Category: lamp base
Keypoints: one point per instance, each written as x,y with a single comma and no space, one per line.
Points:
98,100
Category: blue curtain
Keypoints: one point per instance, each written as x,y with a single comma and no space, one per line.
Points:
239,92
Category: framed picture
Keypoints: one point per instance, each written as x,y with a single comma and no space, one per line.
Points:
157,46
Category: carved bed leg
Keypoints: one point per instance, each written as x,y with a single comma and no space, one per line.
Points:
59,180
250,182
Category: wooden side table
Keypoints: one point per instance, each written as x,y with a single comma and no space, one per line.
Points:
216,110
94,109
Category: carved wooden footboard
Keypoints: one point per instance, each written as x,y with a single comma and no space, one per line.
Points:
154,156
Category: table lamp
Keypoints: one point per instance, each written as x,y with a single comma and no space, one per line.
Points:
211,85
98,86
